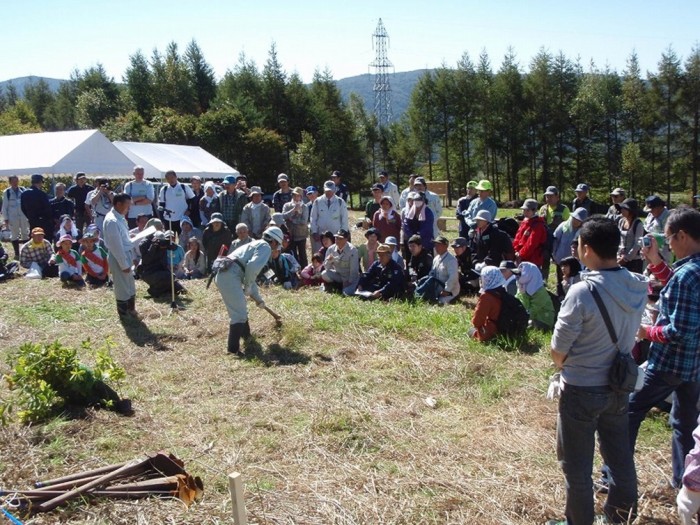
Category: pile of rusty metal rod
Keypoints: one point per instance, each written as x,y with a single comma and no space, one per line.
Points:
158,474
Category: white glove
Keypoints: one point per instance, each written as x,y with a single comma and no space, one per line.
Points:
688,502
554,390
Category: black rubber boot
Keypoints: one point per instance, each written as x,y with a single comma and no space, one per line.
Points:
246,330
131,307
235,331
123,308
15,247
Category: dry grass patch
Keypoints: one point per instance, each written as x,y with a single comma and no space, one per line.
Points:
328,418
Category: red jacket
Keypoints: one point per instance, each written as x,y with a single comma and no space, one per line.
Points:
531,240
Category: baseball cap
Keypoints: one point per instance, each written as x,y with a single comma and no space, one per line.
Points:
484,185
580,214
459,242
529,204
483,215
377,186
472,184
343,233
282,176
582,187
311,189
551,190
329,185
441,239
618,191
653,201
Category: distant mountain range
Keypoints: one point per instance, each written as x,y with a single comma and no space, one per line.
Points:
401,87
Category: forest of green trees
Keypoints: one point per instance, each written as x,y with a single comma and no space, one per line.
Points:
560,123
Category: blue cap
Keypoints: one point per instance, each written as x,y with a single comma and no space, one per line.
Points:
230,179
311,189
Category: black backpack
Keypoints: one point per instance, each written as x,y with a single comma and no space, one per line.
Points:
513,319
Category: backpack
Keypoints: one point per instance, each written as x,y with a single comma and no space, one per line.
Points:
513,319
429,287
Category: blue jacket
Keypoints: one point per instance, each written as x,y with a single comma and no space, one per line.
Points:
389,279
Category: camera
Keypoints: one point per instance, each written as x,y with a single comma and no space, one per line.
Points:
645,242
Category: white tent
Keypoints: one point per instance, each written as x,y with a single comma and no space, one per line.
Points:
186,161
62,152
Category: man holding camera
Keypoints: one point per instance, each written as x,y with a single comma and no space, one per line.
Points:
174,198
155,271
100,202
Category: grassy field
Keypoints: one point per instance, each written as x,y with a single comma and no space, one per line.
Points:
350,413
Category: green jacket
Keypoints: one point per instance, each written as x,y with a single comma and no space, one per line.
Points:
539,306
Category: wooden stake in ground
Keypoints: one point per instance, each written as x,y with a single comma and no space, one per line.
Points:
235,487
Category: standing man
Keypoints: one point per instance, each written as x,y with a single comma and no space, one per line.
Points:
142,195
554,212
311,196
373,205
13,218
193,204
674,359
121,256
446,269
60,206
584,352
463,205
389,187
283,195
582,199
403,199
231,202
256,214
100,202
341,189
78,193
616,197
655,222
328,213
482,202
36,208
173,199
235,279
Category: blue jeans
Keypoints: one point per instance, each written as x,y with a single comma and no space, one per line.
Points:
582,412
683,418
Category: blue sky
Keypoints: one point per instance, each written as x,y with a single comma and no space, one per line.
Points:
51,38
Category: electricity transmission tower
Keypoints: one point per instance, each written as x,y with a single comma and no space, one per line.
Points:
382,66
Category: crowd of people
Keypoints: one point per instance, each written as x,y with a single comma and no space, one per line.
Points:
641,260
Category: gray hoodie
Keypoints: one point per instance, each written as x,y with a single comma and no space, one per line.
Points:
580,331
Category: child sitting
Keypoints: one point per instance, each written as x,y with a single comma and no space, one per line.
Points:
195,264
311,275
7,270
94,260
70,270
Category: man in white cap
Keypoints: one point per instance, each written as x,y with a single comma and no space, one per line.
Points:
256,214
328,213
235,279
142,195
483,202
616,197
390,188
12,215
342,264
283,195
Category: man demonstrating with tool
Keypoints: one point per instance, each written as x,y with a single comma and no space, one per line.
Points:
235,278
121,256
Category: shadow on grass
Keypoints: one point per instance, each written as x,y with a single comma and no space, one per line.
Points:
141,335
521,344
276,354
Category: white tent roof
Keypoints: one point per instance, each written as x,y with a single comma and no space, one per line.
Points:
62,152
186,161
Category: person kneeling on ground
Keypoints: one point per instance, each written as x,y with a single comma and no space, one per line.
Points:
68,261
311,275
155,270
488,307
535,297
194,265
385,278
94,260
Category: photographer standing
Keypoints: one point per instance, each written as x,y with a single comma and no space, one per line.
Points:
100,202
173,199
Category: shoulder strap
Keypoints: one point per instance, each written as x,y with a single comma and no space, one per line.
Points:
604,313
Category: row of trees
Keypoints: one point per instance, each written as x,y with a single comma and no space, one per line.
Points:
560,125
556,124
